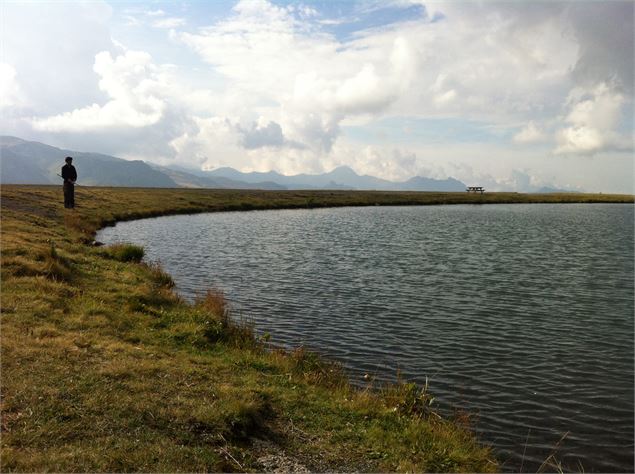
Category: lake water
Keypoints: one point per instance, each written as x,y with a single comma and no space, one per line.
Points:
520,314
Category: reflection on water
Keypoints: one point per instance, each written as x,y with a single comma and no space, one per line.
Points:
521,314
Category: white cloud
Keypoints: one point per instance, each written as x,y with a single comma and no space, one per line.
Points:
591,121
272,87
507,64
263,134
315,79
442,99
169,23
531,133
391,163
52,46
215,142
155,18
217,134
11,94
363,92
133,84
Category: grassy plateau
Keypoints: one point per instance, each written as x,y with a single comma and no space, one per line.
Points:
105,368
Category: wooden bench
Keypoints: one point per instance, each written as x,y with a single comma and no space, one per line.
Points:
475,189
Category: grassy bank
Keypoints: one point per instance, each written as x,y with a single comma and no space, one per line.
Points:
104,368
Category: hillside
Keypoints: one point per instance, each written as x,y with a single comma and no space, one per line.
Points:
186,179
28,162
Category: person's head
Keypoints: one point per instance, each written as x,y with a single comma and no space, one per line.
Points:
69,159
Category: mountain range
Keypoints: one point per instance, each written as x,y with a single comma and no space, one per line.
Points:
29,162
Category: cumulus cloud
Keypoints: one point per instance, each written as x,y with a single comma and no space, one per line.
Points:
52,46
363,93
509,62
392,163
132,82
215,133
591,121
11,94
260,135
317,81
531,133
220,141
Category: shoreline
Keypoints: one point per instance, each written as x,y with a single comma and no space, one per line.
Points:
367,198
102,352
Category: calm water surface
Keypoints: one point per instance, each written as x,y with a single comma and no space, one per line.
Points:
521,314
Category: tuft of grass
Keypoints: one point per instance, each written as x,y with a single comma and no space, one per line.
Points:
45,262
160,277
126,252
410,399
314,368
214,302
56,268
222,327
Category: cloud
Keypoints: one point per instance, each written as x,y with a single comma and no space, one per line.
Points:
169,22
509,63
11,94
207,134
131,81
154,18
363,93
218,141
260,135
392,163
52,46
274,86
592,119
317,81
531,133
605,46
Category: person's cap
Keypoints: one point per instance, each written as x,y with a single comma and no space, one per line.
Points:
69,158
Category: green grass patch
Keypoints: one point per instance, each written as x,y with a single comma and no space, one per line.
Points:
125,252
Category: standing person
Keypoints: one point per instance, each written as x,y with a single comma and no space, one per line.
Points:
69,174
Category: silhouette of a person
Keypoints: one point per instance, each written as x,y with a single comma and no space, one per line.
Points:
69,174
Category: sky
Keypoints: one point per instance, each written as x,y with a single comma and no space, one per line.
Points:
506,95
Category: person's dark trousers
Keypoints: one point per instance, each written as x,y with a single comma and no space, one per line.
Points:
69,195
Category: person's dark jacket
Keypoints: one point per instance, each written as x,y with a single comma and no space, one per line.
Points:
69,173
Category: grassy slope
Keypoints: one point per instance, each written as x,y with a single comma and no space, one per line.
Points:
104,368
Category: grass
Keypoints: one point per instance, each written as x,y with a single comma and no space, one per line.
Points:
105,368
125,252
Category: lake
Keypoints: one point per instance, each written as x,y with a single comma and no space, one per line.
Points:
520,314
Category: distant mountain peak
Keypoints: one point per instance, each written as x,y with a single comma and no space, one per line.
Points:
343,170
